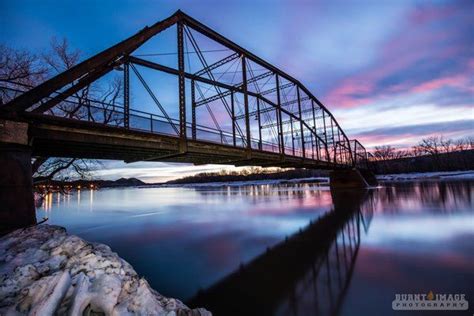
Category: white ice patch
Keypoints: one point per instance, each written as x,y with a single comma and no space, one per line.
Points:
45,271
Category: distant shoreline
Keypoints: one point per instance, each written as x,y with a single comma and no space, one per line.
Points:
444,175
133,182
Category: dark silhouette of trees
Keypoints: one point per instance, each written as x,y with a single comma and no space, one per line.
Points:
434,153
250,174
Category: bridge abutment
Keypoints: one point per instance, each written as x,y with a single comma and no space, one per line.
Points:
351,179
16,185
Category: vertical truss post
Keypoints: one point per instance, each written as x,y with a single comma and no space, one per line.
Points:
315,130
279,119
355,154
343,149
246,101
259,125
352,156
354,160
292,137
334,147
301,120
193,110
181,82
348,151
126,95
340,146
234,140
325,137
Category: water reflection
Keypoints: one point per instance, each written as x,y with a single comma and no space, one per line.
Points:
419,196
63,199
216,239
306,274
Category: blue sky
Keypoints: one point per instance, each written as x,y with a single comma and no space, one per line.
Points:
392,72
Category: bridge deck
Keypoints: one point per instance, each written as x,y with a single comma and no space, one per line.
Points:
60,137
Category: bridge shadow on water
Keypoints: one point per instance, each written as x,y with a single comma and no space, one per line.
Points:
306,274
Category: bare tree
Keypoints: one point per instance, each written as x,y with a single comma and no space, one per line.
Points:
21,70
466,143
431,145
385,152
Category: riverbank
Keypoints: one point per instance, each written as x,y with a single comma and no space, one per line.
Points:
447,175
440,175
323,180
44,270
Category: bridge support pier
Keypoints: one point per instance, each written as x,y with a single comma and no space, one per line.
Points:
16,185
351,179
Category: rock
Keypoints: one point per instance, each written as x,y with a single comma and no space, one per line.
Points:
45,271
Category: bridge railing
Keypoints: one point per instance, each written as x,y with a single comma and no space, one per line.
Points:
361,159
113,115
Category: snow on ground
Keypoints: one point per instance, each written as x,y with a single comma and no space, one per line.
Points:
45,271
441,175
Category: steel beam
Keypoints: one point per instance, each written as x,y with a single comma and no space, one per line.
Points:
284,86
234,140
279,117
301,120
181,83
152,65
294,101
82,83
126,95
98,65
193,110
259,125
201,28
90,66
238,86
246,102
218,64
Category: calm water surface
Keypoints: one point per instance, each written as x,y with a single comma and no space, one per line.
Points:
288,249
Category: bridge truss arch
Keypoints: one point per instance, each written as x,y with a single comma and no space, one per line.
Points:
226,95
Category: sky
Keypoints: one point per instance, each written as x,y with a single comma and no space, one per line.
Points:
392,72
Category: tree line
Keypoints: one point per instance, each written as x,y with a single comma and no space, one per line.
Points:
250,174
434,153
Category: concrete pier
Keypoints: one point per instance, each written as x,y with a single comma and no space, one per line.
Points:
351,179
16,185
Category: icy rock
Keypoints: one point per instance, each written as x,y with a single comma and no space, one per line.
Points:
45,271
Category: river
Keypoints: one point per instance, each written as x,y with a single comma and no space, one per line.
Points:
284,249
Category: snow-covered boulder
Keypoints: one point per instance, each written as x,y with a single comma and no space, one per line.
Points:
45,271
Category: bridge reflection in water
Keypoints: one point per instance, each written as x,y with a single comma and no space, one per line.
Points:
307,274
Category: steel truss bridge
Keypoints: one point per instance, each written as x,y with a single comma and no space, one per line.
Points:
208,101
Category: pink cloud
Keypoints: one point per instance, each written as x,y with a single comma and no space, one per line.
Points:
416,45
457,81
429,14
